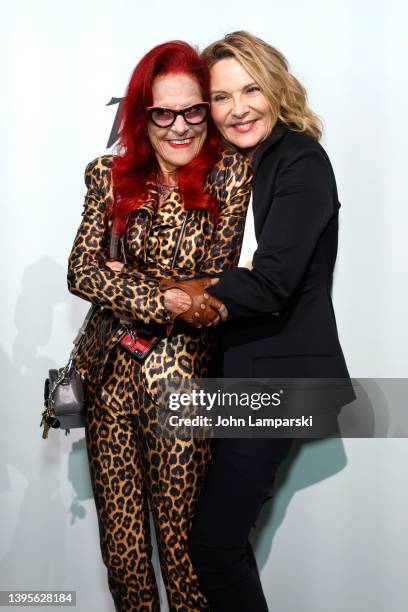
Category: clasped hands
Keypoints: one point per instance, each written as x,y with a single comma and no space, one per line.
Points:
188,300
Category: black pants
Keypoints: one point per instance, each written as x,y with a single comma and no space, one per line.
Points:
239,480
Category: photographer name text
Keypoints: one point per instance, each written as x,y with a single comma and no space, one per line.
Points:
230,421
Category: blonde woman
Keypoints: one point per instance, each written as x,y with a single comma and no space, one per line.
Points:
282,322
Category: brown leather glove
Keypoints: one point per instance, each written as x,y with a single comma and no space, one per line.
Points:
203,310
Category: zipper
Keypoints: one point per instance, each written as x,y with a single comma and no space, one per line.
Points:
180,238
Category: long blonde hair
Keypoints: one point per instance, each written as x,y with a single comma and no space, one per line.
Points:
270,69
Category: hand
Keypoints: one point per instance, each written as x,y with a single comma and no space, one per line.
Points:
208,305
115,265
215,304
205,310
177,301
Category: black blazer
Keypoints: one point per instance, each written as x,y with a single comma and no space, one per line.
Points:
281,319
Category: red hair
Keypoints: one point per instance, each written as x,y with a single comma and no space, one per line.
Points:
138,163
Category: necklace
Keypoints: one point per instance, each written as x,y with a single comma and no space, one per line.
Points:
164,188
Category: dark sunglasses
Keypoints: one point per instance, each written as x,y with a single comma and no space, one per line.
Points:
165,117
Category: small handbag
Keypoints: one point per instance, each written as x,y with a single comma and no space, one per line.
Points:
64,390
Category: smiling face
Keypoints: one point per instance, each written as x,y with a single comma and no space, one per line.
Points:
239,108
180,143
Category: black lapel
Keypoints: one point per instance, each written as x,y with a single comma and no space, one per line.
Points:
262,186
277,132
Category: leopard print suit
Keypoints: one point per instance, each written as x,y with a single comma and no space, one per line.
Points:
130,465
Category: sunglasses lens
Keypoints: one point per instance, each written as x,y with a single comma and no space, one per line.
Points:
196,114
162,117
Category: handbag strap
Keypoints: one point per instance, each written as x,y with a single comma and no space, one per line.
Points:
81,333
64,371
82,329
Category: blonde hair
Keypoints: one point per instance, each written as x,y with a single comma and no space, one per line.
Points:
270,69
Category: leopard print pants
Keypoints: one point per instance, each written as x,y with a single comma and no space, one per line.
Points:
131,466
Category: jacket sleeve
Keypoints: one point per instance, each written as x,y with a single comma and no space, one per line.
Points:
234,197
300,208
134,295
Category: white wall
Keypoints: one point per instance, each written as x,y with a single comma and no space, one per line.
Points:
341,545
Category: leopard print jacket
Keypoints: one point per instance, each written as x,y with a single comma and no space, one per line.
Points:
149,242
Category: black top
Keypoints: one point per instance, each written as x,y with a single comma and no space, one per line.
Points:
281,318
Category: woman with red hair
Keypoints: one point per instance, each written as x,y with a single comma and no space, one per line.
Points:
176,205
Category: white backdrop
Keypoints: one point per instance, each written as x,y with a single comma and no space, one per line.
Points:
335,538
